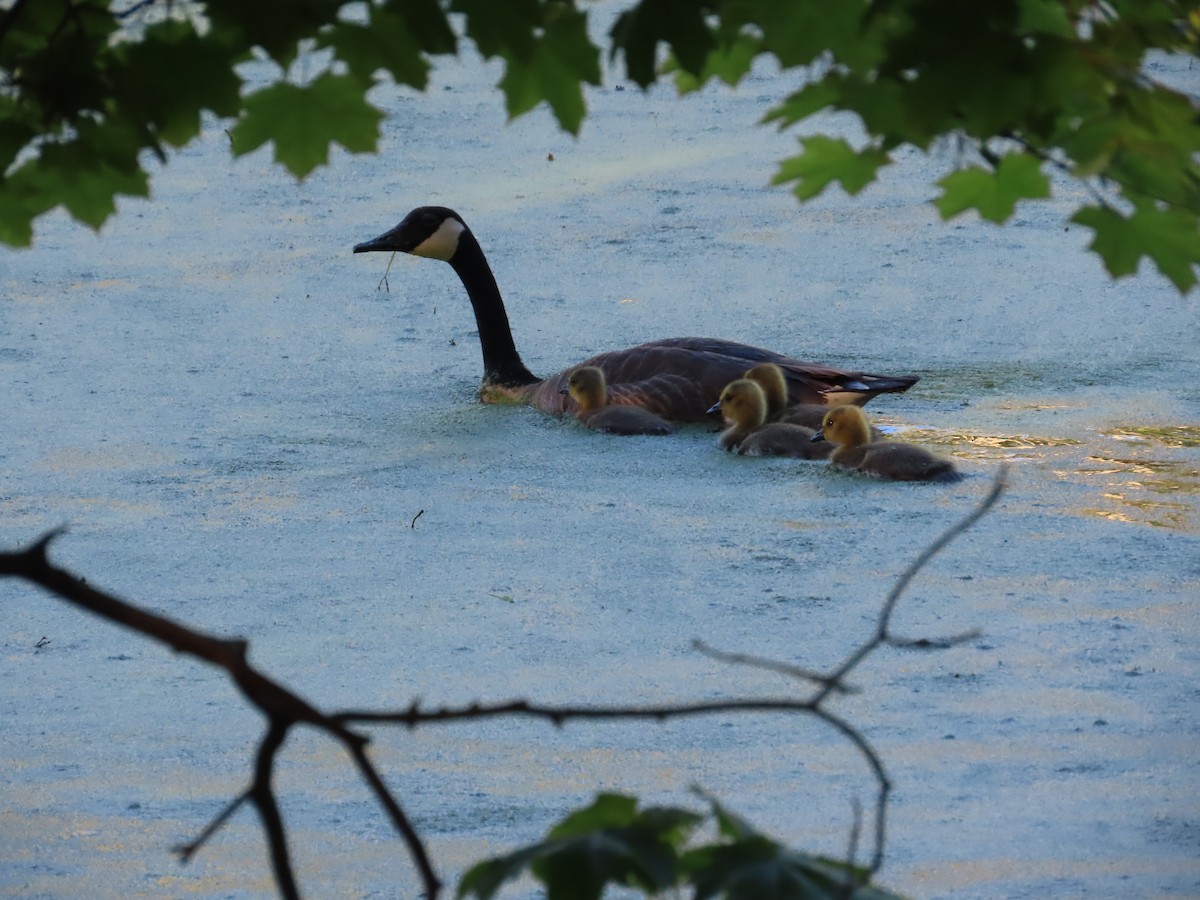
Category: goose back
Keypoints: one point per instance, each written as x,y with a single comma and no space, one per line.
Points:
681,378
895,461
625,420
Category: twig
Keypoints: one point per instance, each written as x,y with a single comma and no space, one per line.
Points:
561,714
771,665
133,10
881,635
1050,158
882,782
853,880
413,523
383,282
268,809
188,850
855,830
407,832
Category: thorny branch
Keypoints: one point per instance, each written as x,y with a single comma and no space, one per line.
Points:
284,709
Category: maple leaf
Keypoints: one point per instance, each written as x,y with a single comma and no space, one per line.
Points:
304,121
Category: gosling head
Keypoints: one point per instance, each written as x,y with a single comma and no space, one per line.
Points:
742,403
771,379
587,387
845,426
429,231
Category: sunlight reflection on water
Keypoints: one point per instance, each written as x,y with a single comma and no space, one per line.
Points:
1142,475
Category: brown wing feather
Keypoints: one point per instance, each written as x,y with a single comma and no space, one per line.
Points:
680,378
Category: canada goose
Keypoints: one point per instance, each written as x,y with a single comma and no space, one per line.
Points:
587,387
743,403
678,378
846,427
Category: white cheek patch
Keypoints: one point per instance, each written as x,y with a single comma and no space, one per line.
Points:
442,243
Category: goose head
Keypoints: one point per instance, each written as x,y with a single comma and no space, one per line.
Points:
436,232
587,387
743,404
771,379
429,231
845,426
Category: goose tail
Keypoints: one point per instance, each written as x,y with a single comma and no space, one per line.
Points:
858,389
879,384
949,475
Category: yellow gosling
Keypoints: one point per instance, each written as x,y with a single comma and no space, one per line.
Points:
847,429
743,404
772,379
587,387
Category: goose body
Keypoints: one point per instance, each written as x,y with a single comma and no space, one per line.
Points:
744,406
847,429
677,378
586,386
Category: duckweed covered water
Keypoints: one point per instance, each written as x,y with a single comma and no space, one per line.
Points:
243,432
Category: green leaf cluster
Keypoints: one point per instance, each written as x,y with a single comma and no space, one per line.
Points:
80,100
547,53
612,842
1027,89
87,87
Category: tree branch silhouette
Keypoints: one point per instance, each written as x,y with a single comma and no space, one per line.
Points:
284,709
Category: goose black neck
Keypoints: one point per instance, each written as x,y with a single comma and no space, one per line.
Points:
502,364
